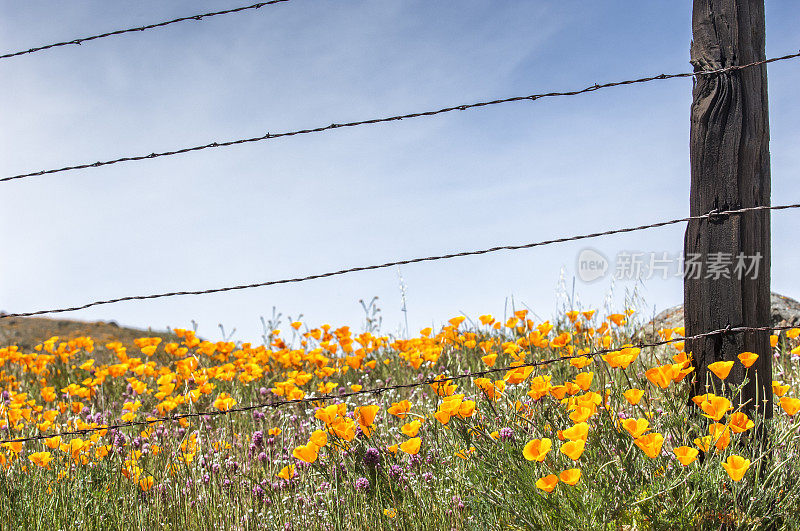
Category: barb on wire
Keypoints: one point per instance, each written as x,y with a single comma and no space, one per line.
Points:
272,136
198,17
397,263
379,390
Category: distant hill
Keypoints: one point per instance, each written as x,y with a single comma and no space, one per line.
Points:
27,332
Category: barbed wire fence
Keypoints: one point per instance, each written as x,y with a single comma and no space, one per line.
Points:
715,214
711,215
196,18
374,121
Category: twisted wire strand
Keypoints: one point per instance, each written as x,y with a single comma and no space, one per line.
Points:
199,17
714,214
373,121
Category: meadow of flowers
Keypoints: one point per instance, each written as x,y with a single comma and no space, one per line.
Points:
613,441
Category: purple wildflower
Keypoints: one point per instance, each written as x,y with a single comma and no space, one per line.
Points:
362,484
372,457
506,434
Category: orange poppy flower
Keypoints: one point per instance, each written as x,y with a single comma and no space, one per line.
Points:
650,444
790,405
660,376
573,449
736,466
486,319
748,358
41,459
577,432
582,414
489,359
617,318
411,429
547,483
518,375
685,454
570,476
739,422
537,449
633,396
411,446
721,434
716,407
704,443
779,389
636,427
307,454
319,439
540,386
622,358
287,472
584,380
721,368
366,418
400,409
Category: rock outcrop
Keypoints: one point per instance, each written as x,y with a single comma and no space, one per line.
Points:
785,312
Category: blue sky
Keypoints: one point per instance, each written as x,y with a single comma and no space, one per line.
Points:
302,205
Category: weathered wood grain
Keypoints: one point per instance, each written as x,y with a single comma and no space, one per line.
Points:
730,168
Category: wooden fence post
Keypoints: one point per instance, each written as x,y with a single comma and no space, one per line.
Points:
729,146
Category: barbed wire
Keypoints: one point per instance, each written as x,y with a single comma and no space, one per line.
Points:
199,17
373,121
377,391
712,214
